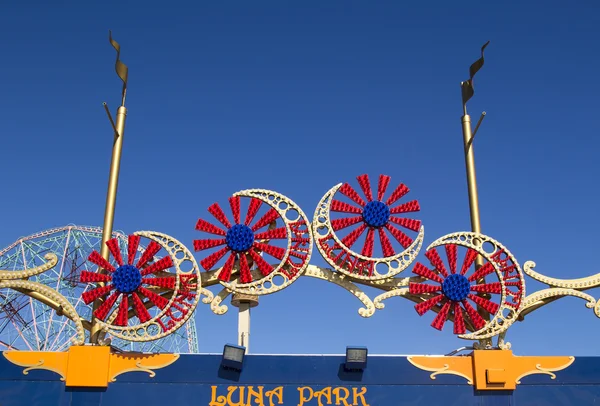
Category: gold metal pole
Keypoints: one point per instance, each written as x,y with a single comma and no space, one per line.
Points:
467,92
113,178
111,199
471,179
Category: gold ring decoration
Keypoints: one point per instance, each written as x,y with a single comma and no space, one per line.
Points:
273,227
457,289
375,218
147,299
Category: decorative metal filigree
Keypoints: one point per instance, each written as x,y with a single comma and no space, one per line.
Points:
287,238
173,296
375,217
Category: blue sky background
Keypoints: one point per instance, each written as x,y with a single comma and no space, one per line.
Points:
299,96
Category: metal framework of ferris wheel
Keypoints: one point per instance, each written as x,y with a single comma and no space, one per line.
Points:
28,324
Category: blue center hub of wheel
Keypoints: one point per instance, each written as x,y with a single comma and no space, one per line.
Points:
456,287
240,238
127,278
376,214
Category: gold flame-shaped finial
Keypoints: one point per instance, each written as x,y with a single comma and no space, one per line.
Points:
120,67
467,86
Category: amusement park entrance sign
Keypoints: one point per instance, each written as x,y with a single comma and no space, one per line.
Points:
145,286
303,395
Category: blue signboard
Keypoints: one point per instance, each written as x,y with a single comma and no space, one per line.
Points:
297,380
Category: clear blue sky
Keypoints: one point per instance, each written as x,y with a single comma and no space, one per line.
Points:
296,97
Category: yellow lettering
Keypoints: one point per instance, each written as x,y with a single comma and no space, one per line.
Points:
326,392
217,400
338,398
258,396
278,391
361,394
231,390
302,397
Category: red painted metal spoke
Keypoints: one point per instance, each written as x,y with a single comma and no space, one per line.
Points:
434,257
113,247
160,265
459,321
495,287
203,225
122,316
365,185
474,316
402,238
427,305
245,275
425,272
400,191
351,238
386,245
87,276
139,308
167,282
200,245
491,307
367,250
469,259
482,272
97,259
339,224
252,210
349,191
411,224
442,316
276,252
157,300
407,207
419,288
91,295
234,202
382,185
344,207
264,267
274,234
210,261
151,250
218,213
132,247
225,272
451,253
265,220
102,311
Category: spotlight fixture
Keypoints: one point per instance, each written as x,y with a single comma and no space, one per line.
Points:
233,357
356,358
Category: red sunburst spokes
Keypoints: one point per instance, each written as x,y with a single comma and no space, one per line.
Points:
246,243
356,232
130,287
454,287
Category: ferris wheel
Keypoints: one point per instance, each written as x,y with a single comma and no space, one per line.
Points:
27,324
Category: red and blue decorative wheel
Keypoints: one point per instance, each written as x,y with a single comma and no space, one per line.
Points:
146,299
456,292
261,252
361,222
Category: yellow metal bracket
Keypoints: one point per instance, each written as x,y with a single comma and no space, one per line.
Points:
89,366
492,369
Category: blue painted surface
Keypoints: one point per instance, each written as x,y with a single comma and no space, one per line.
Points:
387,381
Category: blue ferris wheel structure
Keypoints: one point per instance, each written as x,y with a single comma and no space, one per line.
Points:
28,324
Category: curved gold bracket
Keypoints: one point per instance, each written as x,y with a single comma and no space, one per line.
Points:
492,369
89,366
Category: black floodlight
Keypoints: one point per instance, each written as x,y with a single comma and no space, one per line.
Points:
233,357
356,358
